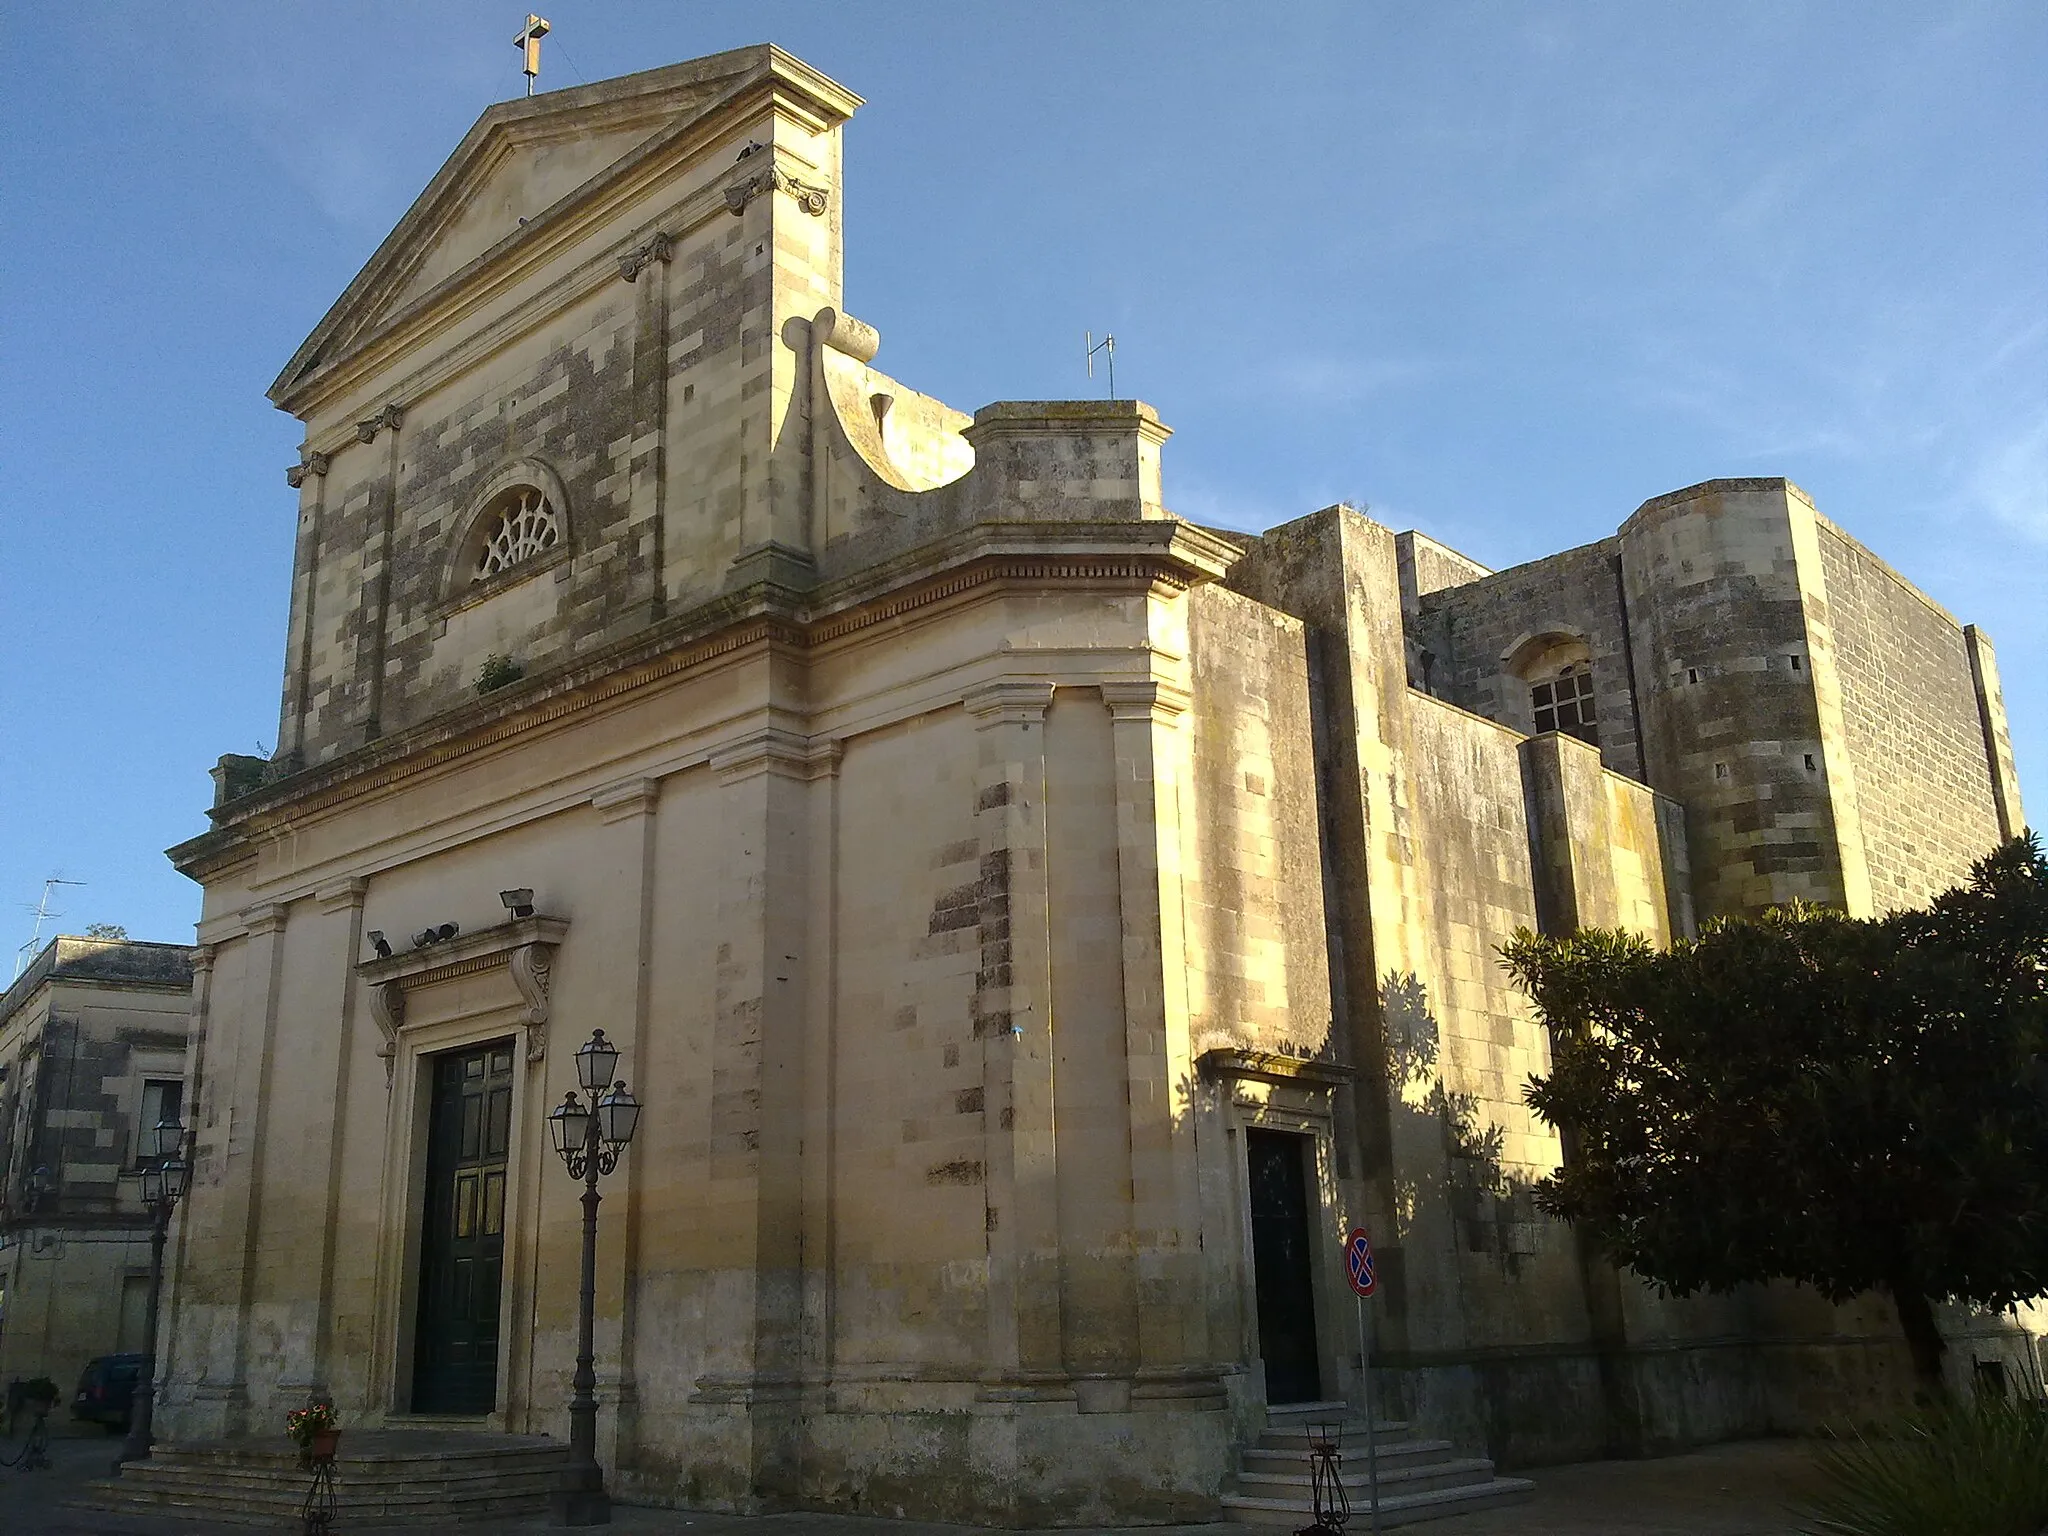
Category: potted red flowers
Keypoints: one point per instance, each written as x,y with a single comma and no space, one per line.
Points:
315,1431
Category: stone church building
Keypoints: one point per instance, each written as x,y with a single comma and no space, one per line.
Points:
1036,926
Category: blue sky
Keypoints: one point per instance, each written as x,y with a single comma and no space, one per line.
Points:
1501,271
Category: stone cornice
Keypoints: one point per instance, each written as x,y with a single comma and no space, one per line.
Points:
524,947
1268,1067
1165,553
464,955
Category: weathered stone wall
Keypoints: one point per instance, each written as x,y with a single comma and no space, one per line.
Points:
1909,708
1259,976
1740,698
82,1030
1473,630
624,349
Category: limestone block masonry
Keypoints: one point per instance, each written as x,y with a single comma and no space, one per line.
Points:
1036,925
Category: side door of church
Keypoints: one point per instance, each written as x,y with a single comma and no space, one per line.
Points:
1282,1264
462,1252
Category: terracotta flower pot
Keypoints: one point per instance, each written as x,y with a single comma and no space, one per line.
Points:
325,1443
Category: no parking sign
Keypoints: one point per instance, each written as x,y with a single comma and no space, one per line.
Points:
1365,1279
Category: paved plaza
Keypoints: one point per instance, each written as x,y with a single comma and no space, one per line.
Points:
1743,1489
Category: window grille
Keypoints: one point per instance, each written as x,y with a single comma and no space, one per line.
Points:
525,527
1565,703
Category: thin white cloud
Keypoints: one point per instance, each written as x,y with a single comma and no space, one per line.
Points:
2009,481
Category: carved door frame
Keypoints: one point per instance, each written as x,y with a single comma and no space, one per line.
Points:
524,951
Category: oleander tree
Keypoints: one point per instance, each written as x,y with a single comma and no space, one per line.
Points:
1858,1104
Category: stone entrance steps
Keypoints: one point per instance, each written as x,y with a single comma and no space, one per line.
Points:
1419,1479
381,1477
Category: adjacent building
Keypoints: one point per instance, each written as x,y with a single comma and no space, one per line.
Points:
1037,926
92,1056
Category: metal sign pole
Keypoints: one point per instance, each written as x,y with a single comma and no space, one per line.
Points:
1372,1429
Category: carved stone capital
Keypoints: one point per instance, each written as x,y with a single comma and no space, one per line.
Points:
202,959
269,917
660,248
772,750
1144,700
634,797
392,416
1014,701
309,464
773,178
342,895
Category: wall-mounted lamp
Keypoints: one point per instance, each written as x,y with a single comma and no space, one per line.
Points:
519,903
440,935
379,943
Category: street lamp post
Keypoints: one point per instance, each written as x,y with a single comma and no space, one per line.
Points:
165,1174
589,1139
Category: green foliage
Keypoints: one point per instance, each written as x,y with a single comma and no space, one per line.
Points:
1856,1104
1974,1470
105,931
496,672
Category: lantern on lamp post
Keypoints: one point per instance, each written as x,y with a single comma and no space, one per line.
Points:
589,1138
166,1173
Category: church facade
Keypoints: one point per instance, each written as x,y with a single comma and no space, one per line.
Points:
1037,926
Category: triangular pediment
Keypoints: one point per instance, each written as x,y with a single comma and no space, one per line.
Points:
522,160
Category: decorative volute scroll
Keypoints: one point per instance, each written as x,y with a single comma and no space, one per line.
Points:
773,178
392,417
532,968
524,946
309,464
634,262
387,1004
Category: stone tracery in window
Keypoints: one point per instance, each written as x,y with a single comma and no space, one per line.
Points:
522,527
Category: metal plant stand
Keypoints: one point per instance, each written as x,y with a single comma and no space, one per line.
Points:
316,1514
1331,1504
34,1456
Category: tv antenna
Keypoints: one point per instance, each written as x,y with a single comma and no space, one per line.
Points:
1107,347
43,914
528,42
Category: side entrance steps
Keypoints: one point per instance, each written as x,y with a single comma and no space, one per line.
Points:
1419,1479
381,1477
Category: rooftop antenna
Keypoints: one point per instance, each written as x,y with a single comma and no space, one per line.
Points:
23,955
1107,347
528,42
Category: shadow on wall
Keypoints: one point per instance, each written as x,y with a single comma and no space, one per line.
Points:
1493,1212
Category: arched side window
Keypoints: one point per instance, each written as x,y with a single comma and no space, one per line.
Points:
1565,703
1557,670
519,526
518,518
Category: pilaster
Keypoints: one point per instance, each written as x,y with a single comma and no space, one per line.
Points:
330,1054
754,1333
1012,1019
628,811
1166,1217
372,639
2005,779
647,267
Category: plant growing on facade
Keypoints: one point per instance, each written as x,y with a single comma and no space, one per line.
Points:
497,672
1855,1104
